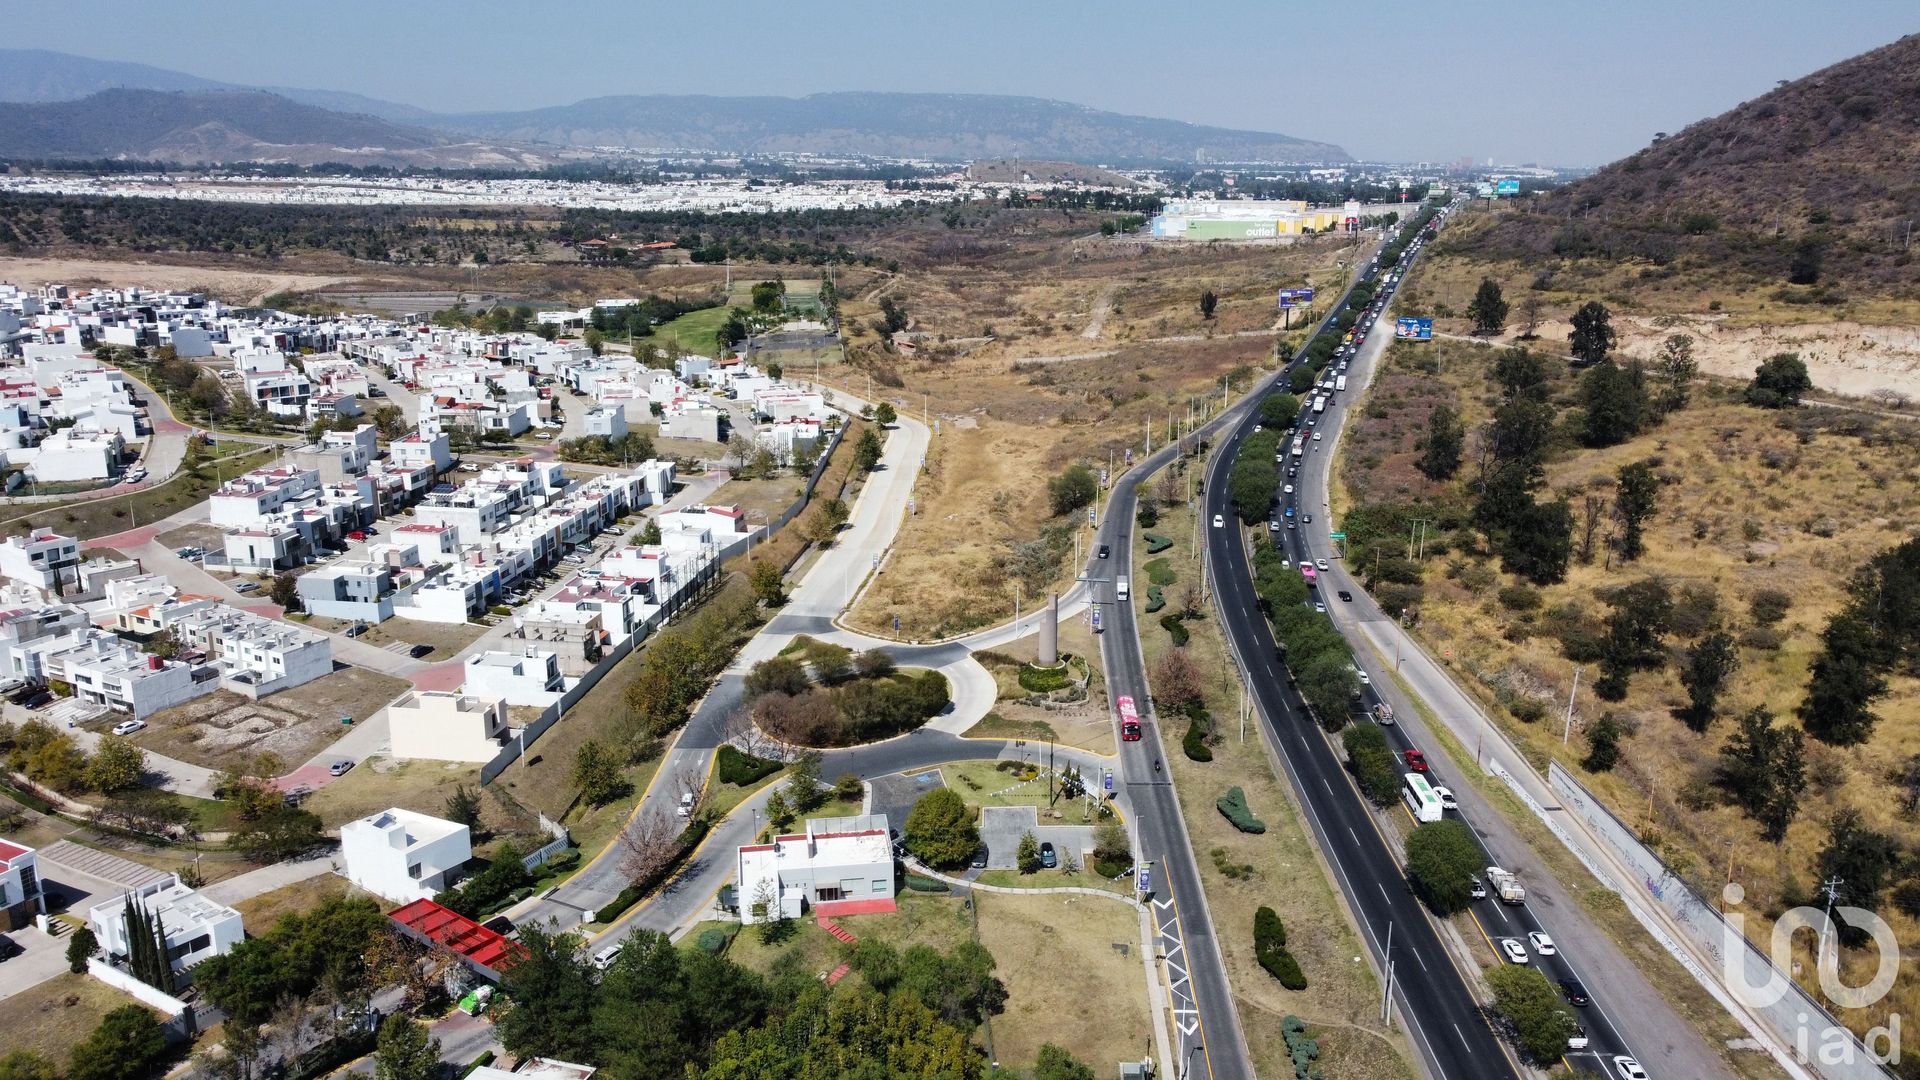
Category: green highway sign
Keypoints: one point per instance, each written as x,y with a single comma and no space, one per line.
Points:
1337,536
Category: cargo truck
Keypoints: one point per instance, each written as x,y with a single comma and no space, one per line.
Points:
1506,886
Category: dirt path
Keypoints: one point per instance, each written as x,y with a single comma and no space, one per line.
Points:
1102,306
239,285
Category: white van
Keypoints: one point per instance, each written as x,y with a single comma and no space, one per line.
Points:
1120,588
1339,384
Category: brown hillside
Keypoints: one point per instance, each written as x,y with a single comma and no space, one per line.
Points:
1814,183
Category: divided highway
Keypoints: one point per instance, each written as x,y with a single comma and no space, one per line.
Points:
1438,998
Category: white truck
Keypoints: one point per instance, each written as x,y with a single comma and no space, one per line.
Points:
1506,886
1320,404
1120,588
1299,446
1340,384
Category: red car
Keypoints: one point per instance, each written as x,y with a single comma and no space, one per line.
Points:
1416,761
1130,731
356,535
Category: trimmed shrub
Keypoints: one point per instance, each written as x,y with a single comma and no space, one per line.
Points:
1270,947
1159,572
1233,806
1044,680
1155,599
1172,625
742,770
1156,543
1194,742
485,1058
922,883
712,940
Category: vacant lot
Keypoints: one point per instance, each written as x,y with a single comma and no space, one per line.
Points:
1074,977
1279,869
1750,502
447,639
225,730
761,500
261,912
50,1018
380,783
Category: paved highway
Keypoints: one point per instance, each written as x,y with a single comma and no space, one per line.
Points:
1438,1001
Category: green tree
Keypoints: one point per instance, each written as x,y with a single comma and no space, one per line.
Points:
1635,499
404,1050
1676,369
1704,673
1253,480
1055,1063
1442,860
1208,302
463,807
1538,541
1844,683
1864,860
766,296
777,674
550,995
1592,337
208,396
866,451
281,833
1521,373
769,584
1027,855
595,340
1603,744
1763,768
650,532
115,766
1327,682
1779,382
803,782
27,1065
1279,411
81,947
285,591
885,414
1528,1002
128,1045
1073,489
1488,309
596,772
391,422
940,831
1615,404
1441,449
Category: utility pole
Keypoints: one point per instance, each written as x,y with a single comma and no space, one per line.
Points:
1831,887
1386,992
1566,730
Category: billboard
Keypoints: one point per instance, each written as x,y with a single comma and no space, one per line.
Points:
1507,187
1292,298
1413,329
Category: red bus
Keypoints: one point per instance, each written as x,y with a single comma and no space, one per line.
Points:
1129,720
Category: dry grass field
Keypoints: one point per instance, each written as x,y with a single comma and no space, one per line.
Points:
1036,347
52,1017
1067,983
1751,501
225,730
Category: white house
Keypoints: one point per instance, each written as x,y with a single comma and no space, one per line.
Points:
21,894
836,861
403,856
360,591
529,677
108,670
194,927
74,454
37,560
607,421
440,725
257,656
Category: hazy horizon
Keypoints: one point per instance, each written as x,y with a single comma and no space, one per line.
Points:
1538,83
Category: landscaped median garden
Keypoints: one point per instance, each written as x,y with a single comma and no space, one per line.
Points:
819,694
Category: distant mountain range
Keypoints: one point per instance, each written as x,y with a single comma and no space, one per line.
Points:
62,112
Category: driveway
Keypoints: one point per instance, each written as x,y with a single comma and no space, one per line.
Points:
895,794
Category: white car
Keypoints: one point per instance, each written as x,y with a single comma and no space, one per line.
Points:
1628,1069
686,804
1287,490
128,727
1321,565
605,957
1364,681
1516,952
1320,607
1219,520
1542,944
1447,801
1316,436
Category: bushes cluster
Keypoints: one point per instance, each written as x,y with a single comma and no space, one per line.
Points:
1372,763
1301,1049
1316,656
1156,543
1233,806
1194,742
1155,599
500,884
1270,947
1039,680
1159,572
743,770
1172,624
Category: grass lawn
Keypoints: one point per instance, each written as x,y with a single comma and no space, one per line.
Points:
1051,951
261,912
53,1016
1279,869
939,921
1055,879
380,783
978,783
694,331
85,518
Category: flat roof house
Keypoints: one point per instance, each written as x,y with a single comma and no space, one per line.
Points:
195,927
530,676
21,894
440,725
403,856
837,864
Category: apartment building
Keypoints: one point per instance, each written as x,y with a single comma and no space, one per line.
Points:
255,656
74,454
245,499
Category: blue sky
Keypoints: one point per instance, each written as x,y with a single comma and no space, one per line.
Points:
1552,81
